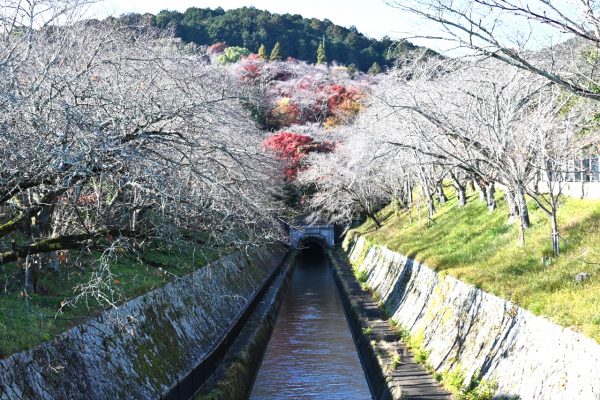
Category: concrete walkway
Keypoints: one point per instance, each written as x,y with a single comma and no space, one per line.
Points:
408,380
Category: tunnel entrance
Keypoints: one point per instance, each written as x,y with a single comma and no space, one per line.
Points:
323,233
311,254
312,250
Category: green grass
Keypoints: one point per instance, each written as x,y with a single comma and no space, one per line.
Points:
483,249
453,380
26,323
396,361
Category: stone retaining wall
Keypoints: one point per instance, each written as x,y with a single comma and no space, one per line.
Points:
464,327
234,377
140,349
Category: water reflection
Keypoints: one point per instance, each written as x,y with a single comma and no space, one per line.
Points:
311,354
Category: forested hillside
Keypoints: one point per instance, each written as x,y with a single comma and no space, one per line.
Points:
299,37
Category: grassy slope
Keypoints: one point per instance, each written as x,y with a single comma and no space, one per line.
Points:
482,249
27,324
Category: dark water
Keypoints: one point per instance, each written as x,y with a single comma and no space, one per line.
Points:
311,354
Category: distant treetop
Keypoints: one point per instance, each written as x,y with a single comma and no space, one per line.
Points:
299,37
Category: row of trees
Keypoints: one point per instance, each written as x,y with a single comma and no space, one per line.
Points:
433,122
233,54
113,137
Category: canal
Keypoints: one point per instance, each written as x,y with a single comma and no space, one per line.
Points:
311,354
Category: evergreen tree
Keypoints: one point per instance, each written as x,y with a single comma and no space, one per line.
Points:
276,53
249,27
262,52
321,56
375,69
352,70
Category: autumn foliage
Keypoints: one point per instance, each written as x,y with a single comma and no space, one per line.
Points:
217,48
299,94
292,148
306,102
343,103
251,70
285,113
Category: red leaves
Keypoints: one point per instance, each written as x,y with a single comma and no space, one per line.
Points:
253,57
216,48
81,200
338,95
298,94
292,147
285,113
303,102
62,256
285,144
251,70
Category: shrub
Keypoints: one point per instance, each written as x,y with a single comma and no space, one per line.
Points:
232,54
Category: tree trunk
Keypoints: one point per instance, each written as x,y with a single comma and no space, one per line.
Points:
461,193
536,183
409,194
28,276
67,242
522,207
490,196
374,219
525,223
430,208
430,202
440,193
481,188
555,235
513,209
470,184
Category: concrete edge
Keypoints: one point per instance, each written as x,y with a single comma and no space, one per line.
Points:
380,348
373,368
234,377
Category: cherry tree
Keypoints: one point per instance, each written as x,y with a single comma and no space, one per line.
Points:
555,40
114,137
344,187
479,121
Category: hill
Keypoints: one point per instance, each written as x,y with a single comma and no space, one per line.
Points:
299,37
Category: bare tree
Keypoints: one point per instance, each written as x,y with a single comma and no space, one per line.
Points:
113,137
346,185
556,123
512,31
481,121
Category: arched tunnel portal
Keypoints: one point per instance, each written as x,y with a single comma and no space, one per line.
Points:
321,235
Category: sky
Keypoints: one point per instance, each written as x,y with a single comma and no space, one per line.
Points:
372,17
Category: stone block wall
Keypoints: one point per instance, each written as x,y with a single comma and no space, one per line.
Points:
140,349
528,356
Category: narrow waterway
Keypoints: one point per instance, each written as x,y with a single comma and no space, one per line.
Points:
311,354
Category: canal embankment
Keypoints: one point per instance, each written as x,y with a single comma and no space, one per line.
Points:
234,376
469,334
311,353
318,334
150,346
391,369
